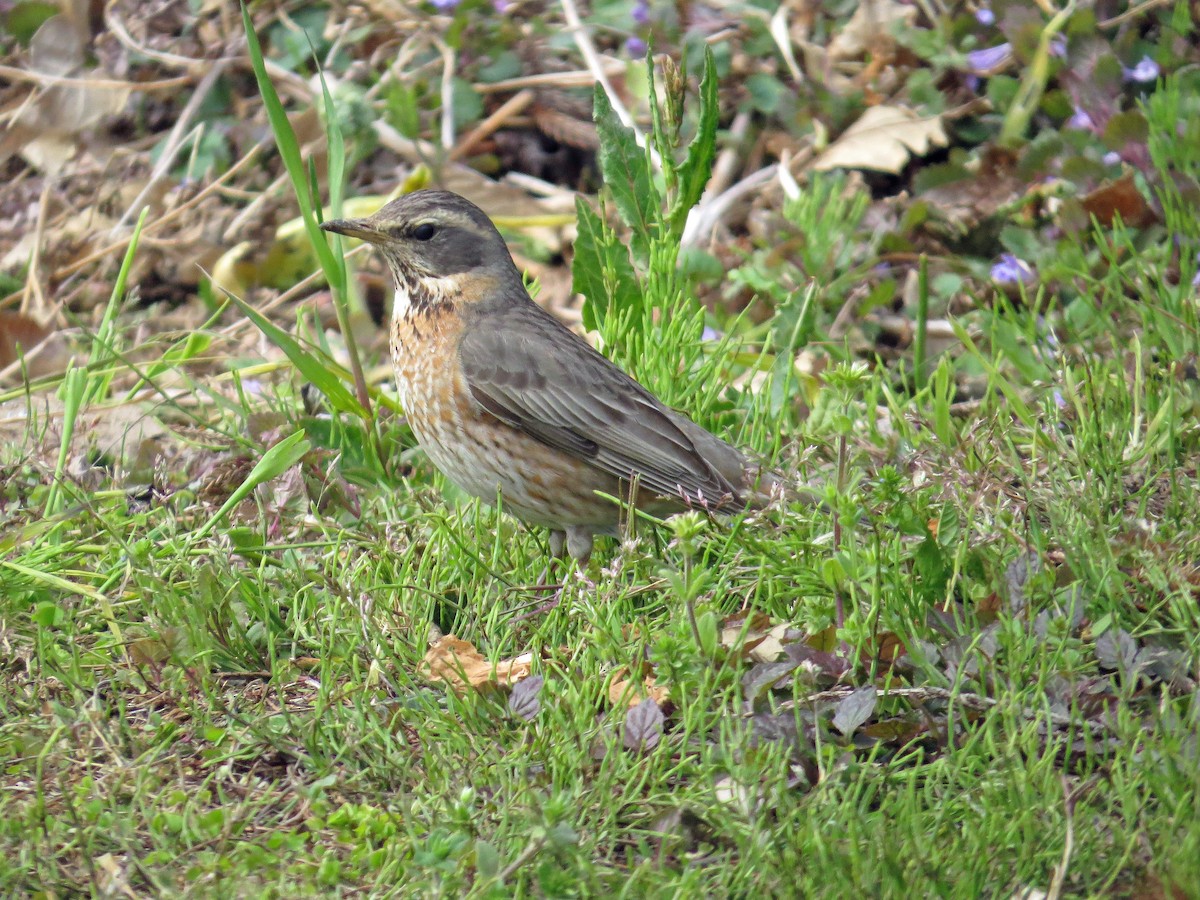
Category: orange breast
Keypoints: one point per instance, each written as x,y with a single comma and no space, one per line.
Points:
478,452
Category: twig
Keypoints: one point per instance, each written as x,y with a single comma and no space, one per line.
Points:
576,78
447,95
196,67
119,245
104,84
33,285
1060,871
1133,12
511,107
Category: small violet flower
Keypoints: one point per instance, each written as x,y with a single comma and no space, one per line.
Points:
1081,120
1010,270
1112,158
635,46
1144,72
444,5
710,334
1058,46
641,12
989,58
985,16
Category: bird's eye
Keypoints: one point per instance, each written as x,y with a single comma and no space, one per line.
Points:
424,231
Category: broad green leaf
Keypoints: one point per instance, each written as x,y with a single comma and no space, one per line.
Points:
697,167
601,271
626,174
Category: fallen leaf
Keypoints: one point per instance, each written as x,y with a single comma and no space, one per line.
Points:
772,646
1119,198
734,793
883,140
459,664
626,690
871,29
44,351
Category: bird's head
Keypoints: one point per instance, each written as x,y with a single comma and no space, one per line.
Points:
434,238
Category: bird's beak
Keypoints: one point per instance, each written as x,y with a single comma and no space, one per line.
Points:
355,228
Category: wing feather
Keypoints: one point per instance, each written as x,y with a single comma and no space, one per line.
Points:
528,370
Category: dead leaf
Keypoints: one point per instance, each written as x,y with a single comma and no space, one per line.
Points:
58,113
883,140
44,350
736,794
1119,198
871,28
459,664
626,690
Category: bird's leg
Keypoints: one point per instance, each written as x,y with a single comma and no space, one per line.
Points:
573,543
558,544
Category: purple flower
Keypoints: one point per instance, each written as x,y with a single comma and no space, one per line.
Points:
1112,158
1145,71
710,334
1081,120
444,5
635,46
502,6
1011,270
1058,46
641,12
985,16
990,58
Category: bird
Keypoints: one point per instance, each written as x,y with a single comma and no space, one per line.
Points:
508,402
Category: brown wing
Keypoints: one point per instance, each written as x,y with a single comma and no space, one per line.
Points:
527,369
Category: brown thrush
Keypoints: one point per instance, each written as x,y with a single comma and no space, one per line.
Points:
507,401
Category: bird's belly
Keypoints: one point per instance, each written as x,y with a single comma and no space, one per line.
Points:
487,458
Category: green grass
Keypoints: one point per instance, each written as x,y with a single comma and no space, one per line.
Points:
239,709
213,679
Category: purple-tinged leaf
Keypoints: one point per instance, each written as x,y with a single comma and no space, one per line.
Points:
1117,650
1019,572
854,710
644,726
523,701
765,676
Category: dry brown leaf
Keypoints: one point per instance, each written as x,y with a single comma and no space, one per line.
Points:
625,690
742,634
459,664
59,113
756,637
883,140
771,647
870,29
1119,198
44,351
